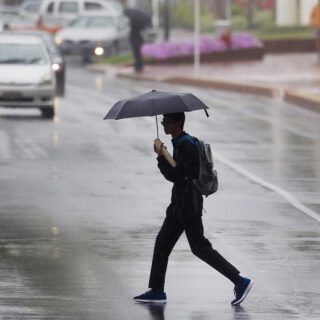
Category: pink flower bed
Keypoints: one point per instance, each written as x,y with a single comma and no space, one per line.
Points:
167,50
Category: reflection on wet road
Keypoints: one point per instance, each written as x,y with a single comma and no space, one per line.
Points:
82,201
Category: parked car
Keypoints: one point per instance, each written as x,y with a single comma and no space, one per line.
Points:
10,17
57,60
68,10
13,19
30,7
26,76
95,35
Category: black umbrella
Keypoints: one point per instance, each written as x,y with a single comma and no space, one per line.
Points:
155,103
139,20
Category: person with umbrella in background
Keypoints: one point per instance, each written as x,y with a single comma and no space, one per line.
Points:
138,22
185,210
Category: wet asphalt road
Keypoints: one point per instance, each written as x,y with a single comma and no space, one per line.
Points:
82,201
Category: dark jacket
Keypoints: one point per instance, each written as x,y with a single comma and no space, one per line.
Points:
186,200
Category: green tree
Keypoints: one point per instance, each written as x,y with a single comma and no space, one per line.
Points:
183,15
250,8
219,8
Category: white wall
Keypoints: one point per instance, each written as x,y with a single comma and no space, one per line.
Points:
305,10
286,12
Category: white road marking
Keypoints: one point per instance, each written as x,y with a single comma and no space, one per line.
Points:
283,193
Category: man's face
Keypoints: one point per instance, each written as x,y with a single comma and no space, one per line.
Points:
169,125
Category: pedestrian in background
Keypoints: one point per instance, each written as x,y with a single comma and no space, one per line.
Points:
315,23
138,22
184,214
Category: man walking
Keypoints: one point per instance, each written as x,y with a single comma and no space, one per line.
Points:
138,22
185,214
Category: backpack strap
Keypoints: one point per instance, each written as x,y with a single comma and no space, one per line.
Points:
185,137
189,138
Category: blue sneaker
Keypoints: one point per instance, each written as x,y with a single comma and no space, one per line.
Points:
152,297
241,291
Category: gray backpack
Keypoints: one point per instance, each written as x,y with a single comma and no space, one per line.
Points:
207,183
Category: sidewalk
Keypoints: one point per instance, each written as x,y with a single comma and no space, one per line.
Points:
294,77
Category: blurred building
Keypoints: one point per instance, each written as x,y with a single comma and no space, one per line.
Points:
10,2
294,12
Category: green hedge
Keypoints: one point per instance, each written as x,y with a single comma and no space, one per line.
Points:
183,16
263,24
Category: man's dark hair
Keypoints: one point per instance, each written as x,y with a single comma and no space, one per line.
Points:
177,116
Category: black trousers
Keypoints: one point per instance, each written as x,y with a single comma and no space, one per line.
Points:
136,45
170,232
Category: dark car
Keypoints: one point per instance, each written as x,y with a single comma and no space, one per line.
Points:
58,61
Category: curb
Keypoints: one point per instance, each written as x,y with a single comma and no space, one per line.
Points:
298,98
209,83
303,99
225,85
141,76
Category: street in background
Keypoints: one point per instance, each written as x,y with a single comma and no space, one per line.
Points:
83,201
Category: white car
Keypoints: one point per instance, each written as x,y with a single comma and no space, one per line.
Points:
30,7
95,35
26,76
11,17
67,10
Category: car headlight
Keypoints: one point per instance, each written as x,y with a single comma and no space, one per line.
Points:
55,67
58,40
46,80
98,51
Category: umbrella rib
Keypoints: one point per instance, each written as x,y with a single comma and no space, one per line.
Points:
186,106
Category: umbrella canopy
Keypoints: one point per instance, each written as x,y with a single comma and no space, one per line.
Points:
138,20
155,103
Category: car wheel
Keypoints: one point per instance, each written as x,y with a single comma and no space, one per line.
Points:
60,85
47,113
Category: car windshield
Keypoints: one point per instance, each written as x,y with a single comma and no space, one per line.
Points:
18,19
32,7
93,22
7,16
22,54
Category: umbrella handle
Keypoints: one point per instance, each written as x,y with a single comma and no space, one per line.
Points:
157,127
